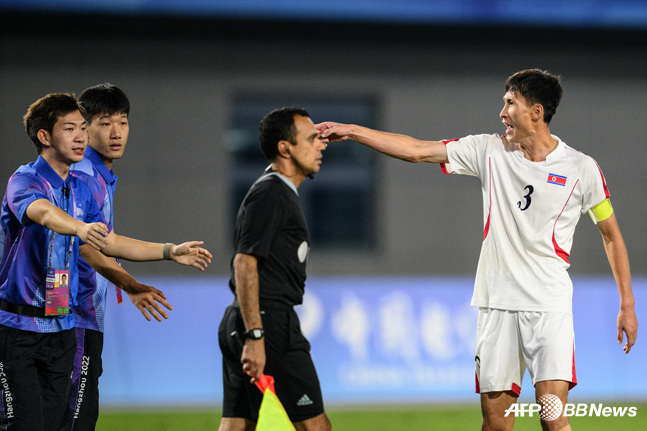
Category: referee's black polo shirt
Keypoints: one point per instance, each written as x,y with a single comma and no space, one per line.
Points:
271,226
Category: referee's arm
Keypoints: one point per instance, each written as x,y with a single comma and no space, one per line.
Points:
246,278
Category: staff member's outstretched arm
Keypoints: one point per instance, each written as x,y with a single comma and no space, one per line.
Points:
146,298
188,253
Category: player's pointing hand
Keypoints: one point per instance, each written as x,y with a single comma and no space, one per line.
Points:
333,132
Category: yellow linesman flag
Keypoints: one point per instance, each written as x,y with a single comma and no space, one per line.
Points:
272,415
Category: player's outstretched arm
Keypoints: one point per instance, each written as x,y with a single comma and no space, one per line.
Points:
188,253
52,217
146,298
616,250
401,147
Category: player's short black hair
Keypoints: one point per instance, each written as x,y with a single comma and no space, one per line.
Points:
537,86
104,98
46,111
277,126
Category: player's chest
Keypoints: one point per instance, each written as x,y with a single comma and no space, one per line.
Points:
537,187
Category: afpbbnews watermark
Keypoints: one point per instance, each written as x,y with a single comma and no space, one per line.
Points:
549,408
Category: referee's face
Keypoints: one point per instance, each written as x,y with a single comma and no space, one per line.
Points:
307,148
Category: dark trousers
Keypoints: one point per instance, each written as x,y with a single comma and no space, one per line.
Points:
35,371
83,406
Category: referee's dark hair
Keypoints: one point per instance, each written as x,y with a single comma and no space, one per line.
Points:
277,126
106,98
537,86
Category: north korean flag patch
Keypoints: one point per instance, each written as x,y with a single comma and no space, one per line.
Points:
556,179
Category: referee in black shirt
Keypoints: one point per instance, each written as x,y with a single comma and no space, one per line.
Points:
261,330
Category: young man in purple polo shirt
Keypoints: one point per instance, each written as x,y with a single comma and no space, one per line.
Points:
106,112
48,218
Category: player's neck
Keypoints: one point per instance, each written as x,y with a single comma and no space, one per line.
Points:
537,147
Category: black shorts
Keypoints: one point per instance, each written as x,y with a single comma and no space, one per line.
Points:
288,360
35,370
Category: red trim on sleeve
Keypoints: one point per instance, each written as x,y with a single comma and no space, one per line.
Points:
443,166
604,182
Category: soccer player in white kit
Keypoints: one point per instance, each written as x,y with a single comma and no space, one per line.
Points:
535,187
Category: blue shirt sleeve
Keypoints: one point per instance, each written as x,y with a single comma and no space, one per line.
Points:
23,189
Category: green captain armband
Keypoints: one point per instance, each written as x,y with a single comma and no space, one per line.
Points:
601,211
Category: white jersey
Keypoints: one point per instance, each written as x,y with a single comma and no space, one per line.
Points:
530,210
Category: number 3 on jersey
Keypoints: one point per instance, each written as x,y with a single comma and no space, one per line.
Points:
524,205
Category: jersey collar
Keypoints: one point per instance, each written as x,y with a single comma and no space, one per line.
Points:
44,169
556,153
270,171
108,176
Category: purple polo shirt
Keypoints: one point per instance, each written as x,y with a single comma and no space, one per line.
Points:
26,245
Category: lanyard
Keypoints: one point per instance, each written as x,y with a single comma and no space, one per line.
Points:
66,194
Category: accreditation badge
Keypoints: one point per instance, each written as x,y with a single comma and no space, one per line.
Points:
57,292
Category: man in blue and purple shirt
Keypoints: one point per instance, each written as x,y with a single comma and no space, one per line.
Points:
106,112
43,211
48,219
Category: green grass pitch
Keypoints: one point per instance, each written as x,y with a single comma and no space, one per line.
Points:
446,418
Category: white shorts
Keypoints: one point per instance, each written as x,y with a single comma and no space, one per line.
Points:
508,342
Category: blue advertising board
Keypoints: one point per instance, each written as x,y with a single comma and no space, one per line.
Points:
374,340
